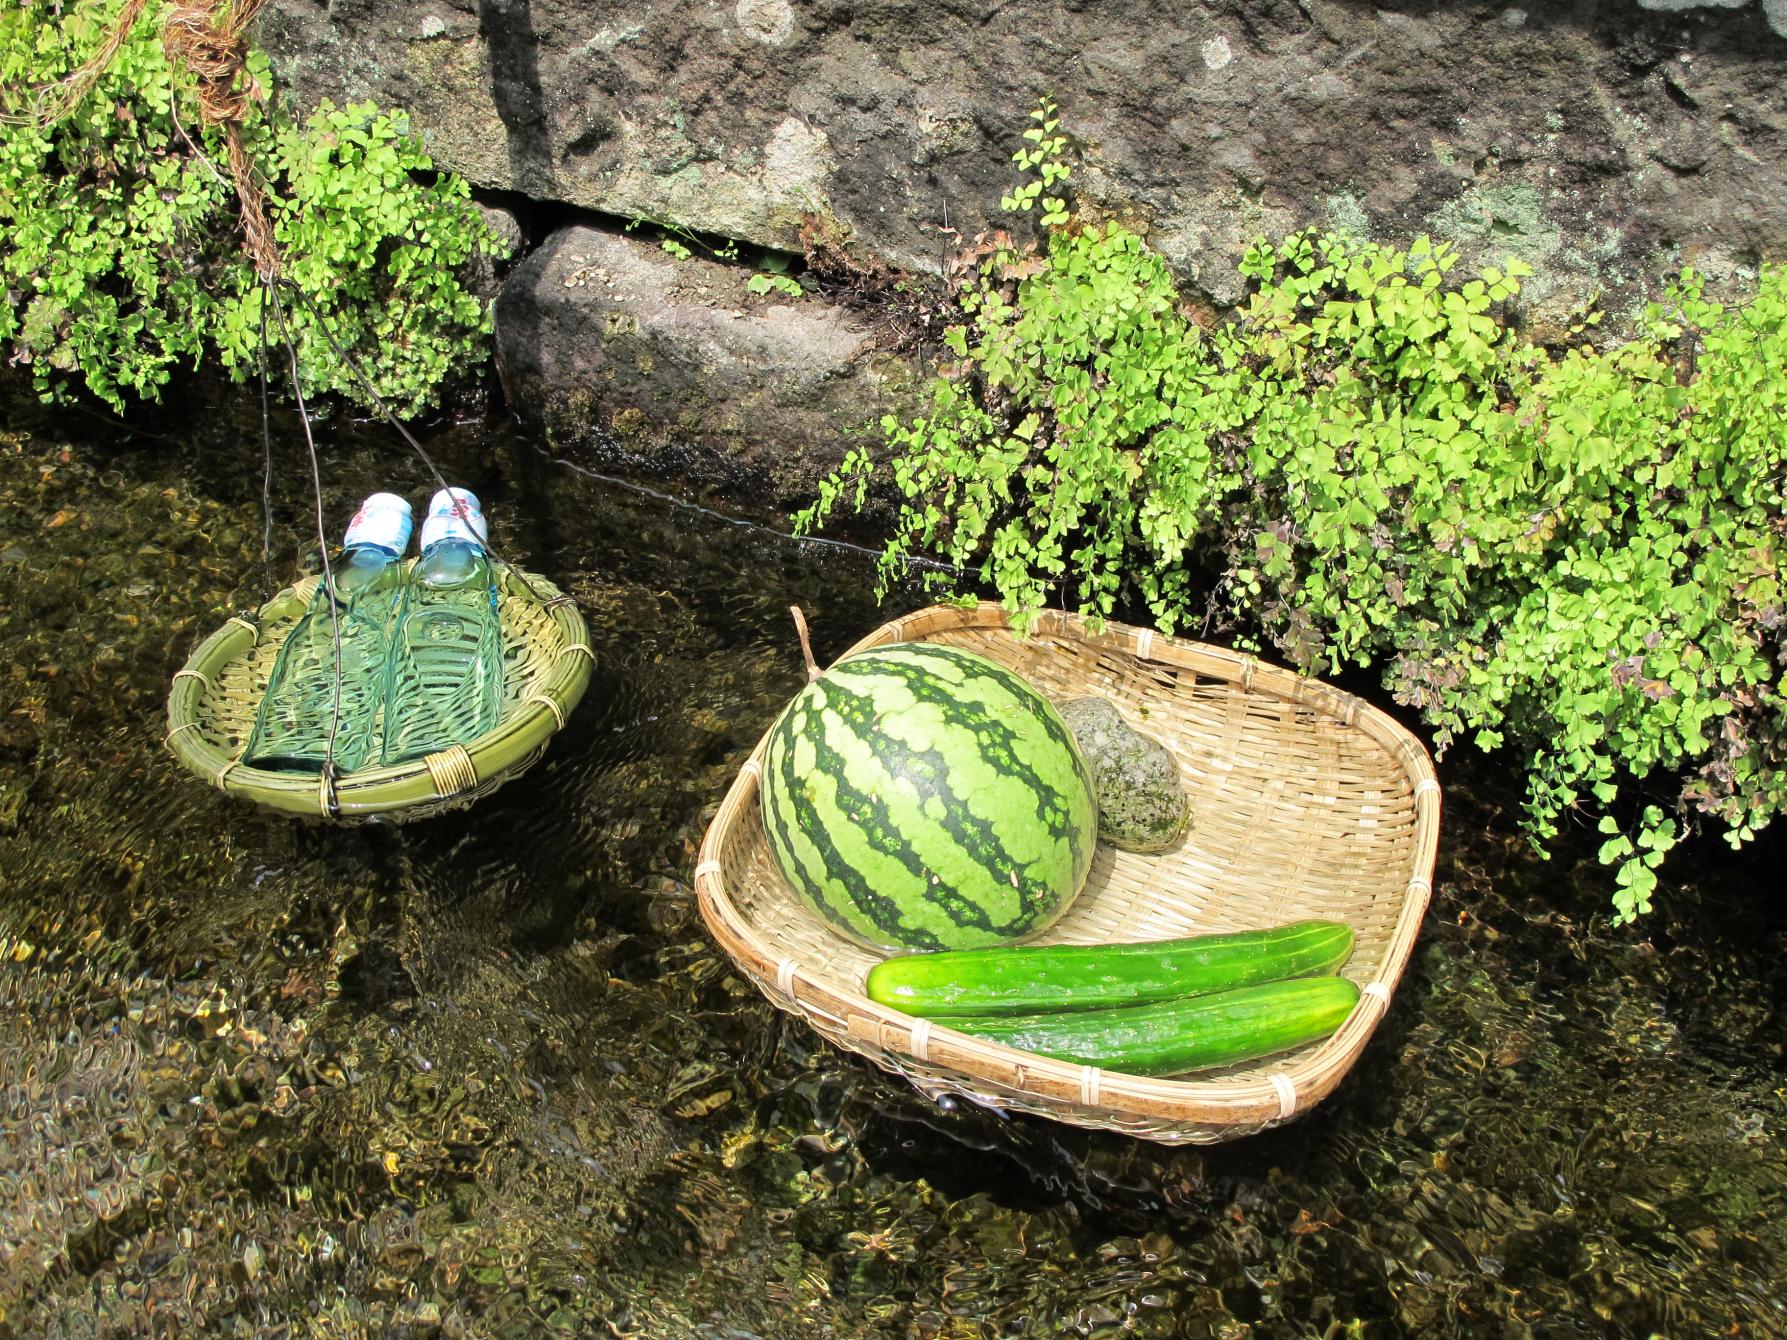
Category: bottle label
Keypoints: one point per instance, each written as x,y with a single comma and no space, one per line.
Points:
383,520
454,514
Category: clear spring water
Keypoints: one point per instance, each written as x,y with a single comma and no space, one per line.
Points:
487,1076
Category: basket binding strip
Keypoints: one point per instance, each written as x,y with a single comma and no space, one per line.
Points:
1306,802
212,705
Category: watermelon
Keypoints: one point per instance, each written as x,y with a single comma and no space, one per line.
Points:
921,796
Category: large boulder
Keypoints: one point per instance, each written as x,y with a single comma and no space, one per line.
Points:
1600,140
684,368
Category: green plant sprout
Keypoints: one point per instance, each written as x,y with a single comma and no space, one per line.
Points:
765,281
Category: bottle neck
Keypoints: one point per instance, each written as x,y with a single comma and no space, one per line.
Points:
453,561
360,566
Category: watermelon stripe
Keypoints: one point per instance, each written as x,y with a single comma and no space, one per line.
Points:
874,822
1000,743
882,911
974,834
780,811
1052,808
883,900
923,796
940,659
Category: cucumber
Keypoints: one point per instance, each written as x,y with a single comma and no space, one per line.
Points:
1018,979
1172,1037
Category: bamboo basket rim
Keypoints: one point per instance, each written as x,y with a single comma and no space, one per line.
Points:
939,1059
395,792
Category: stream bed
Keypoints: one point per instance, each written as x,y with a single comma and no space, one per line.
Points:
487,1075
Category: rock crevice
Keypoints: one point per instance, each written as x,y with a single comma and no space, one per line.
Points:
679,364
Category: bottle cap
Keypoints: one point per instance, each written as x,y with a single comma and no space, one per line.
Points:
454,514
383,520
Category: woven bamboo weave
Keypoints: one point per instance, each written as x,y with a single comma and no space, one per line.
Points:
1306,802
211,710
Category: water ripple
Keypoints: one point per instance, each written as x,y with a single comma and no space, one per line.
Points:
486,1074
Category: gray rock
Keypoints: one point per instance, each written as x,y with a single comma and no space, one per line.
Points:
505,227
1627,141
1142,805
483,273
685,367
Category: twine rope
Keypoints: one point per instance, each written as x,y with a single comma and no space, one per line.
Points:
322,539
60,98
208,38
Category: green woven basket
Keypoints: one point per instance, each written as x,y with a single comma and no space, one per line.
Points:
211,710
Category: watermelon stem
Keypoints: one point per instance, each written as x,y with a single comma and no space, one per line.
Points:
806,645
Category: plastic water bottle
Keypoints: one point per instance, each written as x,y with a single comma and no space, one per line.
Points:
445,675
298,710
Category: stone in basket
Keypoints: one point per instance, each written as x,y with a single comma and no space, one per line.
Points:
1308,802
211,710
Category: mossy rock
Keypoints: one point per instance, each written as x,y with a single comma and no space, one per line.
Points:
1142,806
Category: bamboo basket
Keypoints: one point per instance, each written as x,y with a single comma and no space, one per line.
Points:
211,711
1306,802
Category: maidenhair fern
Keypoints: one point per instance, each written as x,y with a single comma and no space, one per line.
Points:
1575,555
